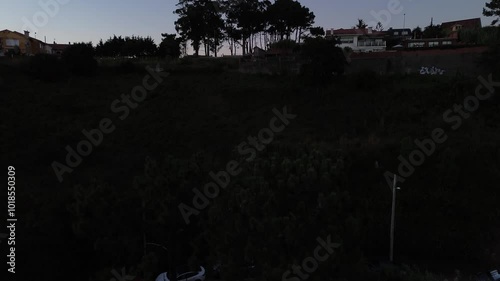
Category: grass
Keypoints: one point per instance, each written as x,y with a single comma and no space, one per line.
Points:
199,109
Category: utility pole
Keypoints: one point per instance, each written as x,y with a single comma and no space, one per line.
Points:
404,21
393,215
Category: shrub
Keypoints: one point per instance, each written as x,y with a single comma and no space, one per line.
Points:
79,58
126,67
367,80
47,68
324,59
490,60
284,45
16,51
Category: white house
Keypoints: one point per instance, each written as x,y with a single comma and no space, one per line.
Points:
359,40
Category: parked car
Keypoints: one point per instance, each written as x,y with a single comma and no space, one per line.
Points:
186,276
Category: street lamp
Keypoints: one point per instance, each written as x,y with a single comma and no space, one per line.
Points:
393,214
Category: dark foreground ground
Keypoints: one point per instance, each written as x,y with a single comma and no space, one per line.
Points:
323,174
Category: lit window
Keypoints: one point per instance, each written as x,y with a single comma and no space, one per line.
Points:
416,45
346,40
447,42
433,44
404,33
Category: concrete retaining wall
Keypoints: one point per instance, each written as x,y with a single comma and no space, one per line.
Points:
429,62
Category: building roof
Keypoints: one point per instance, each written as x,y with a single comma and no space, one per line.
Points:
431,39
6,30
468,23
21,34
357,31
399,29
59,46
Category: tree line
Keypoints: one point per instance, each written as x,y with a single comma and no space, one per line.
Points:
242,24
137,46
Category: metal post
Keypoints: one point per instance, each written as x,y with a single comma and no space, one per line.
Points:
391,254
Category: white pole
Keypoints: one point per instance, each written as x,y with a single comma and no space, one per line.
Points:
393,213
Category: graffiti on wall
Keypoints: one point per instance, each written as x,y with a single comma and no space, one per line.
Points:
431,71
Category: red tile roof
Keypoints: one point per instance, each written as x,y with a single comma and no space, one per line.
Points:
468,23
356,31
21,34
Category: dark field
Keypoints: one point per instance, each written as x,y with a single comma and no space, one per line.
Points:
324,174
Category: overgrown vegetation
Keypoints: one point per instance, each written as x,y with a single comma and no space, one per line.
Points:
79,59
324,58
317,178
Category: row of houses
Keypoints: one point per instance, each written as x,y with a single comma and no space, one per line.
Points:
13,42
369,40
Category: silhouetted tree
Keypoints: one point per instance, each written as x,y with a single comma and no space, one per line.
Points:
244,20
79,58
417,32
286,17
128,46
191,25
201,22
325,59
317,31
361,24
433,31
492,9
169,46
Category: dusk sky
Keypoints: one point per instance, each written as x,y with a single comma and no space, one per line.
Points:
91,20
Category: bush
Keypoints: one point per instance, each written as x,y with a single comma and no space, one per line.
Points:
46,67
325,59
490,60
284,45
367,80
79,58
13,52
126,67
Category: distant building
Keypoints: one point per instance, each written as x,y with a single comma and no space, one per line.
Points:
429,43
29,46
13,40
453,28
403,33
359,40
58,49
397,36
